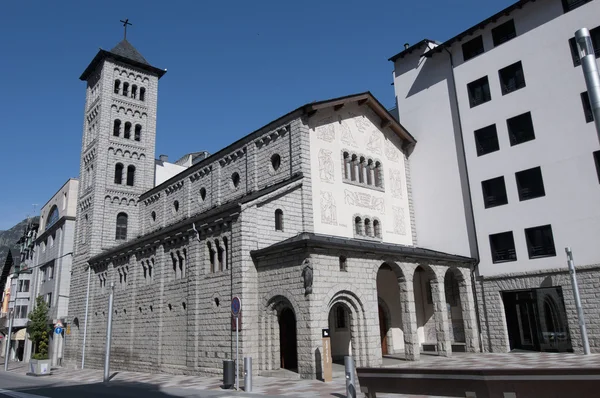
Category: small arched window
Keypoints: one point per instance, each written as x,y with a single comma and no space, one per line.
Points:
119,173
121,232
127,131
142,94
211,255
126,89
362,166
138,132
377,228
343,263
235,179
153,215
354,168
368,230
133,91
378,175
117,86
347,166
130,175
202,194
278,220
176,206
226,249
219,255
117,128
358,226
275,161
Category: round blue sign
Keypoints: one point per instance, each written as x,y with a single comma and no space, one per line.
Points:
58,330
236,305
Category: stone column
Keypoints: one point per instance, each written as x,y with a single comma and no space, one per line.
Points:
467,306
412,350
440,314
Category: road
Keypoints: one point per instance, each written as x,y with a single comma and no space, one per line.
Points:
14,385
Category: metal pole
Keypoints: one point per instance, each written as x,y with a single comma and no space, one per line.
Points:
8,336
85,321
108,333
590,72
237,354
582,329
248,374
350,380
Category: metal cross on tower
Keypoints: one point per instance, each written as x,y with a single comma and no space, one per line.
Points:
125,23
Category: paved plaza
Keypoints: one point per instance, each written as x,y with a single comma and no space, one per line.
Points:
281,386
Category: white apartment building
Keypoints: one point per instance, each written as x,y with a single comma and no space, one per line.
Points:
507,167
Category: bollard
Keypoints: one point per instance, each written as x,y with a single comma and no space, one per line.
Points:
248,374
350,379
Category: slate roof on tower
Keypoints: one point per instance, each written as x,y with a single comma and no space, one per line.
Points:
123,52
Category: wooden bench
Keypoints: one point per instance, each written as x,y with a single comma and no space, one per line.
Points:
482,383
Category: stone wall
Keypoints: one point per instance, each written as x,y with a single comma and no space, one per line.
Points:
492,314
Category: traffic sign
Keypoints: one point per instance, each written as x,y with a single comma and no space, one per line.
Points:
236,305
58,330
58,324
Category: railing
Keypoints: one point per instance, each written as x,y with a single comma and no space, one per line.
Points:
505,255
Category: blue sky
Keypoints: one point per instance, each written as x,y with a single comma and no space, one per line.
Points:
233,66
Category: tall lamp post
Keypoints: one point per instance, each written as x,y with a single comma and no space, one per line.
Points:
586,52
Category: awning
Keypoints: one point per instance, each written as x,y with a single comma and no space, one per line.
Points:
19,335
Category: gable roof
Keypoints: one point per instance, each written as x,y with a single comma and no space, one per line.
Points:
412,48
125,52
366,98
307,240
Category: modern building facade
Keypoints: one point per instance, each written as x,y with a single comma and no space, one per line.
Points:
309,220
503,122
51,276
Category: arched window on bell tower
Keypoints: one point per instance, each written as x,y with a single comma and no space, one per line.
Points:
118,173
130,175
121,230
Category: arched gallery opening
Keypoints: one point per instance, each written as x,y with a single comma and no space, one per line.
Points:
453,284
391,334
340,332
288,339
426,329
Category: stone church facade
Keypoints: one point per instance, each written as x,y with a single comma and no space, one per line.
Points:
308,220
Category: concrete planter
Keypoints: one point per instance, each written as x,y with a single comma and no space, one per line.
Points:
39,367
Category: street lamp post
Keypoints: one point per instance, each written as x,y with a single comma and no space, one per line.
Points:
586,52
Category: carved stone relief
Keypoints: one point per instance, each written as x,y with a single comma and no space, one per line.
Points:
399,220
347,137
364,200
326,130
326,167
396,182
328,208
391,152
374,143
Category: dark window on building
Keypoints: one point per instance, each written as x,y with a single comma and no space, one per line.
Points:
494,192
343,263
520,129
127,131
130,175
118,173
503,33
569,5
235,179
530,183
117,86
275,161
502,246
472,48
512,78
117,128
142,94
587,107
595,36
597,162
540,242
377,228
133,91
486,140
126,89
278,220
138,132
479,91
121,232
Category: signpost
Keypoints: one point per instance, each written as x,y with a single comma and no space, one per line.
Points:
327,364
58,327
236,308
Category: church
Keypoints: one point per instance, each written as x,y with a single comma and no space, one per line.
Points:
309,220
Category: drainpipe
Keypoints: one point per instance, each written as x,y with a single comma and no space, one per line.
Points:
474,268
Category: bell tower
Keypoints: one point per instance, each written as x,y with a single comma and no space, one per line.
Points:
117,162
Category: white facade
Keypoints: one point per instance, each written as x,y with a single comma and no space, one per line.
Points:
562,147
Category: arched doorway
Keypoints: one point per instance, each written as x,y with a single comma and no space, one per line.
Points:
287,339
390,313
339,328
